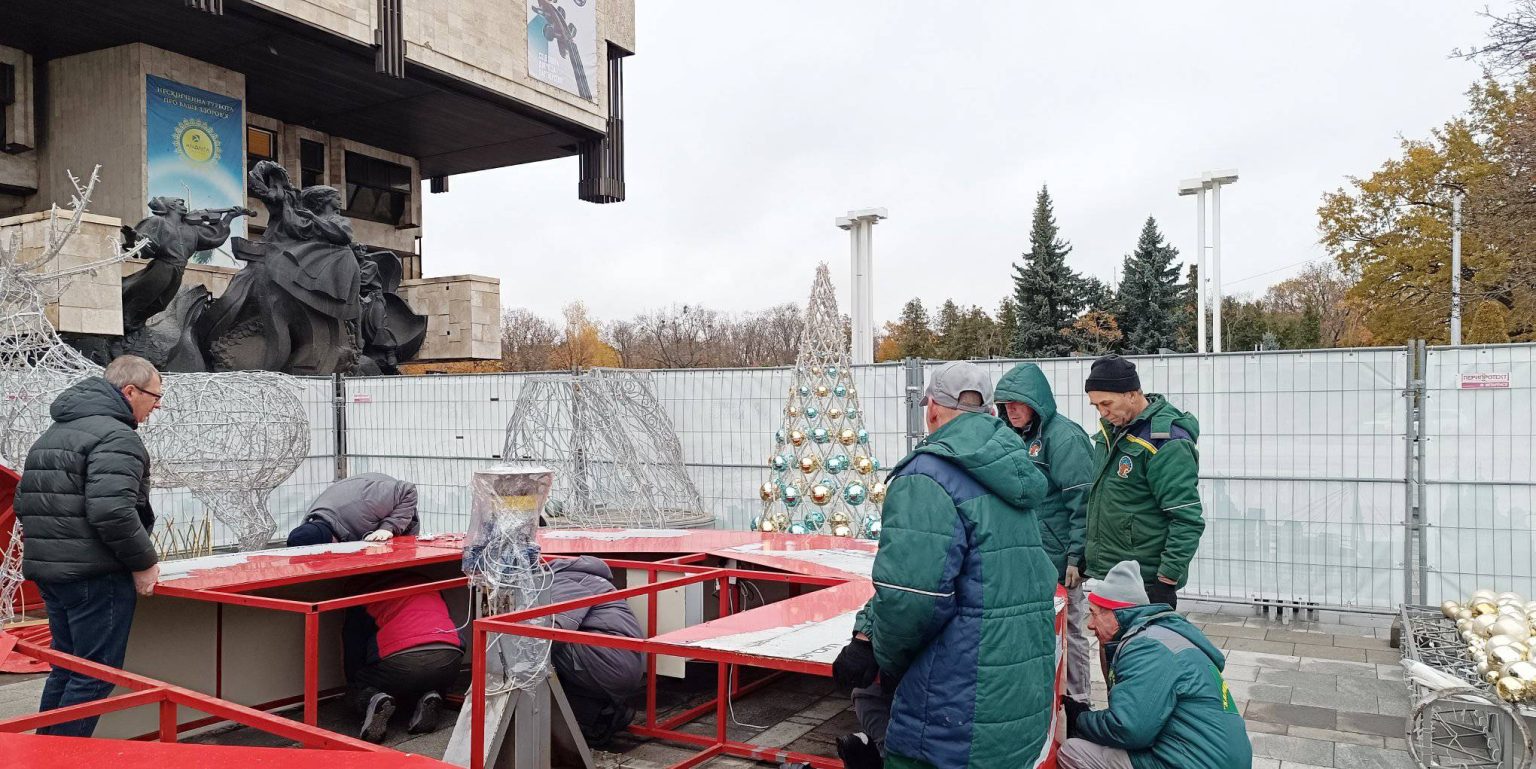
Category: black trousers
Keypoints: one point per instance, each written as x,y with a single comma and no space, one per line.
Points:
1162,592
406,676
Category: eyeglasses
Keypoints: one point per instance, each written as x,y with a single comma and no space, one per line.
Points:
154,395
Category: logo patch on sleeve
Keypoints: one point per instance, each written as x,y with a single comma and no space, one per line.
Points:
1124,471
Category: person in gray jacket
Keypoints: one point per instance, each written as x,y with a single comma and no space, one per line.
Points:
599,682
83,504
372,507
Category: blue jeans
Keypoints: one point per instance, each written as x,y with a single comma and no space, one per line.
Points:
89,618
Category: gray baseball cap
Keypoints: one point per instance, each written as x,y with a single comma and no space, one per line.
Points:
955,377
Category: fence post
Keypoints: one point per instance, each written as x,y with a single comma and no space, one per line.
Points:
914,369
339,401
1413,473
1421,515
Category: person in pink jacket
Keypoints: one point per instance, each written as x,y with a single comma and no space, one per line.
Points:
401,650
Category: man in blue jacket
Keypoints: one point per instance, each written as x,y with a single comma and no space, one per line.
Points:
1169,707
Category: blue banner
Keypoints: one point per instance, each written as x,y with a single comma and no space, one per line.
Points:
196,151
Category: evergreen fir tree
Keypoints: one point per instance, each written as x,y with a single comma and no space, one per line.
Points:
914,336
1006,328
1150,300
948,330
1045,289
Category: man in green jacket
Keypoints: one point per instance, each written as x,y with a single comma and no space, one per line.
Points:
962,622
1061,450
1144,504
1169,707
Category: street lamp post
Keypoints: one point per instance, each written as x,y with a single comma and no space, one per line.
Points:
1456,195
1197,188
1216,179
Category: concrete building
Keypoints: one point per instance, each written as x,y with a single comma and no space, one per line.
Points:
377,98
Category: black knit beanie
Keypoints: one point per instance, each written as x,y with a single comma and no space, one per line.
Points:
1112,374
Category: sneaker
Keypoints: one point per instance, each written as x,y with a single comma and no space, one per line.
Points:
428,709
381,707
857,752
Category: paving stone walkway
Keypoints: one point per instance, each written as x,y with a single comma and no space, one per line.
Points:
1324,691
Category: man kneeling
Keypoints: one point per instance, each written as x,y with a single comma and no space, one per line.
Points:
404,650
1169,707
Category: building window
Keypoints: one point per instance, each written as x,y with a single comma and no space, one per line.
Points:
377,190
311,163
260,144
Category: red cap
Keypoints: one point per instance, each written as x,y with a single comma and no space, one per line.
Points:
1108,603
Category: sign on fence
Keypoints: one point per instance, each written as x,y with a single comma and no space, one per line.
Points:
1484,380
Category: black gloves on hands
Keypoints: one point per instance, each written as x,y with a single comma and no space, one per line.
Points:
855,666
1074,709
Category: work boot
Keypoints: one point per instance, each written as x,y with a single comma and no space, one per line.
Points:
857,752
428,709
376,717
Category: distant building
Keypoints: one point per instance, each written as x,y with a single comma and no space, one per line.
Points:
180,97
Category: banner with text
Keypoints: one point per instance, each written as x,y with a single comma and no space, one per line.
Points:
196,152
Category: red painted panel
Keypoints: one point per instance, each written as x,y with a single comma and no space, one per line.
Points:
270,568
43,752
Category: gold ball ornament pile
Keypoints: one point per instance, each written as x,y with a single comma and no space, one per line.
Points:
847,436
822,391
834,413
768,491
810,463
863,465
877,493
793,410
820,494
1498,629
796,437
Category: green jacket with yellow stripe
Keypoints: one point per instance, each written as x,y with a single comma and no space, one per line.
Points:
1169,706
1145,501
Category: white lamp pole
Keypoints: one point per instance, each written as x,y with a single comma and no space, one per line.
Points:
1197,188
1456,196
1216,179
860,225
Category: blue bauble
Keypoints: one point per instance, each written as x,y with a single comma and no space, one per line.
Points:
779,436
875,462
797,528
840,391
811,412
791,496
832,372
820,435
837,463
814,520
863,435
851,414
756,522
854,493
778,462
872,528
804,391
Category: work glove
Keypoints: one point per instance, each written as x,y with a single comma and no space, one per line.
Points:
855,666
378,536
1073,708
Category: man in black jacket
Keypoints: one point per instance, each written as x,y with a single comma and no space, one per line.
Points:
84,508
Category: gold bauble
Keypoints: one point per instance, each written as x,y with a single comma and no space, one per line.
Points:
820,494
1461,624
840,516
842,530
1483,624
834,413
1516,629
1478,657
1511,610
1482,594
768,491
1492,676
822,391
793,410
1500,639
863,465
852,393
877,493
1484,606
1522,649
1468,635
796,437
1509,595
766,525
1483,668
815,371
810,463
847,436
1449,609
1511,689
1465,613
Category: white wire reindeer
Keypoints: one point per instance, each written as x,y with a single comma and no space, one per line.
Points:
229,438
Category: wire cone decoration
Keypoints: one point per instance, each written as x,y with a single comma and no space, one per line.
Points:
617,460
823,479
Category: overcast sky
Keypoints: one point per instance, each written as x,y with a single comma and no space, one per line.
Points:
750,127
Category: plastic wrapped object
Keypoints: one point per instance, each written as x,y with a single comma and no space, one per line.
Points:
505,570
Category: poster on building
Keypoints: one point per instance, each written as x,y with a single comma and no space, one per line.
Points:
196,152
562,44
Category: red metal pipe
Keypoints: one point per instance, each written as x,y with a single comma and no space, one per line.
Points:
82,710
312,668
685,559
708,754
733,748
167,721
737,693
722,670
477,691
650,658
238,599
683,567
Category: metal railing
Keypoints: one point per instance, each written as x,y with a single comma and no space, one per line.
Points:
1353,479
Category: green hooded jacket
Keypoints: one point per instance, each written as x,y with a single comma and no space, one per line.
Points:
1169,706
1064,454
1144,504
964,605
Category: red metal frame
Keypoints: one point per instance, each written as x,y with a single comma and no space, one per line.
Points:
311,611
148,691
726,685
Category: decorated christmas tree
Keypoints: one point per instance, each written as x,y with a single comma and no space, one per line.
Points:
823,477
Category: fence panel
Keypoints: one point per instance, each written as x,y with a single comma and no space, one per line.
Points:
1478,472
1302,467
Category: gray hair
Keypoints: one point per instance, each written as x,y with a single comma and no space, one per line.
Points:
127,370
